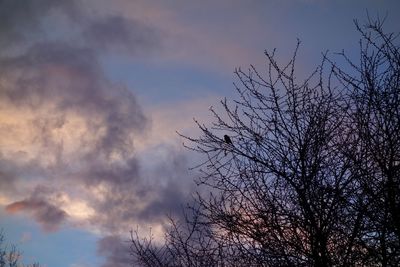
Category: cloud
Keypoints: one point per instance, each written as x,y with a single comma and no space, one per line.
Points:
62,115
119,34
80,265
65,125
18,20
60,87
193,40
47,214
64,118
161,187
7,176
60,111
116,252
74,22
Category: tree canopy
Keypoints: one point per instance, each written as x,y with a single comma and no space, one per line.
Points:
9,254
300,173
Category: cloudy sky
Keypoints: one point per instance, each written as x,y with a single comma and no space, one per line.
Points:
92,93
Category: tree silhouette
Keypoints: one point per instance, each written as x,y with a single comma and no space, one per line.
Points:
313,177
9,255
374,93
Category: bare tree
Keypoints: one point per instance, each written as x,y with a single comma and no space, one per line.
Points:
374,87
285,189
9,255
282,186
300,173
189,242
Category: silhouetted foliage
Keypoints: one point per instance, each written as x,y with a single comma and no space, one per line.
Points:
300,173
9,255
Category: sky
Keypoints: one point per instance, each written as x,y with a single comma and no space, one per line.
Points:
92,93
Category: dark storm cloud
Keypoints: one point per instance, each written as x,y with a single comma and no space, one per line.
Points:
48,215
120,34
115,250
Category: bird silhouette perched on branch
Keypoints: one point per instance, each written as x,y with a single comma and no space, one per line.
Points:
227,139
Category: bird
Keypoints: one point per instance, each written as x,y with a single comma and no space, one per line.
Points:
227,139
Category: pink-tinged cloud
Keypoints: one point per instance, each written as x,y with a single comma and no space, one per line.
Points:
49,216
63,123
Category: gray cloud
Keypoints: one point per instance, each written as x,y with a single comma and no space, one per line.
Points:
24,23
70,79
115,250
7,175
175,188
164,191
120,34
68,124
21,21
55,84
48,215
33,72
11,170
147,197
